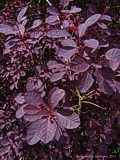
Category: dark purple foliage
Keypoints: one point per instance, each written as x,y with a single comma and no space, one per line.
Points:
47,122
55,66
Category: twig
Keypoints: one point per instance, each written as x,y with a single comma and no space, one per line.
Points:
94,105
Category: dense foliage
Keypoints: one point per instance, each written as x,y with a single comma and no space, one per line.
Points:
60,67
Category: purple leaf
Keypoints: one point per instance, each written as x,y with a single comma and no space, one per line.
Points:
65,24
113,55
34,84
66,54
104,45
89,22
86,82
46,122
114,64
51,19
79,66
73,10
54,64
102,25
43,130
21,14
57,76
20,99
92,20
55,96
36,24
106,18
33,117
104,85
20,112
69,122
58,70
68,43
92,43
59,132
21,29
57,33
7,29
33,98
65,2
82,29
48,130
31,109
53,11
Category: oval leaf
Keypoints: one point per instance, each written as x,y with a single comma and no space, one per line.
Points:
69,122
55,96
106,18
82,29
113,55
57,76
7,29
34,98
73,10
20,112
36,24
92,20
68,43
51,19
43,130
92,43
86,82
21,14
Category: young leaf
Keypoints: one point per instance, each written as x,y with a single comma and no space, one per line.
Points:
92,20
106,18
21,14
36,23
102,25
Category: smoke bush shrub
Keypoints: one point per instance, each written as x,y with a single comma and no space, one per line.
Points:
65,52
